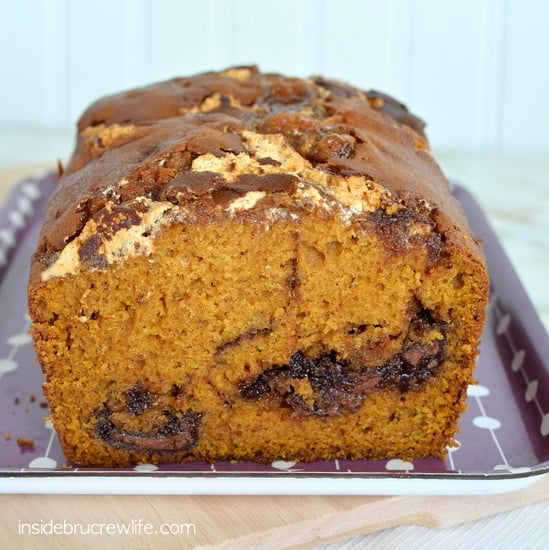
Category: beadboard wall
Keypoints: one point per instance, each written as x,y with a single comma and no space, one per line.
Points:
476,70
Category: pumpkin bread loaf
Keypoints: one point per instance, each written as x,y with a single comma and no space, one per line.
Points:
245,266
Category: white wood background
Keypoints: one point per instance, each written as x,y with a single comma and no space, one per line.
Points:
476,70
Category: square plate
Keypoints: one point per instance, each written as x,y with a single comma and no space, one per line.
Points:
503,438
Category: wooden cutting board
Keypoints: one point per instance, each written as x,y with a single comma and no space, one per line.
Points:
243,522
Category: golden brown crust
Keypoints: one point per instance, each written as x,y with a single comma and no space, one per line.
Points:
146,142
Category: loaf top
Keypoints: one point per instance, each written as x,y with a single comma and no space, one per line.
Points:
241,142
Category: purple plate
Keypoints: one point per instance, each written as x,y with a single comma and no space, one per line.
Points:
503,438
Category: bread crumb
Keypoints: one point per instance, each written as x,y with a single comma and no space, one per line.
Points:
25,444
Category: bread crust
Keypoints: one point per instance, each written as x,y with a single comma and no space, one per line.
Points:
146,142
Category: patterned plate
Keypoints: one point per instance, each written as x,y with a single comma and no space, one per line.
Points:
504,436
